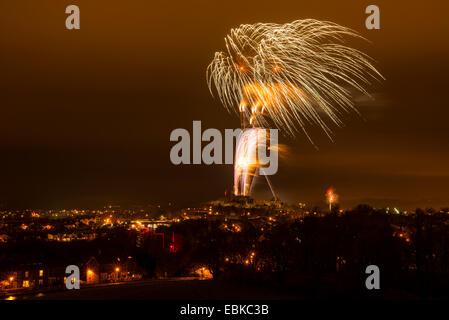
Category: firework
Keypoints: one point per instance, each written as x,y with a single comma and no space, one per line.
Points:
289,75
331,197
246,159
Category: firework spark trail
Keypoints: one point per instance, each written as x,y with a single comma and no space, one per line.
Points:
331,197
246,160
287,75
293,72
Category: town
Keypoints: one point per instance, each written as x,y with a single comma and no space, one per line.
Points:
238,238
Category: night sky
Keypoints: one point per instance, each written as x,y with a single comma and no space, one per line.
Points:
86,114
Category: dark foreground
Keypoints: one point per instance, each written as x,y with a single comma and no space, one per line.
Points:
171,298
171,289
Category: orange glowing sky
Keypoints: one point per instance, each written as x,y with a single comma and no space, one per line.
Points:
86,115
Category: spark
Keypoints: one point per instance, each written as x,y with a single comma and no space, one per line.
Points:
331,197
